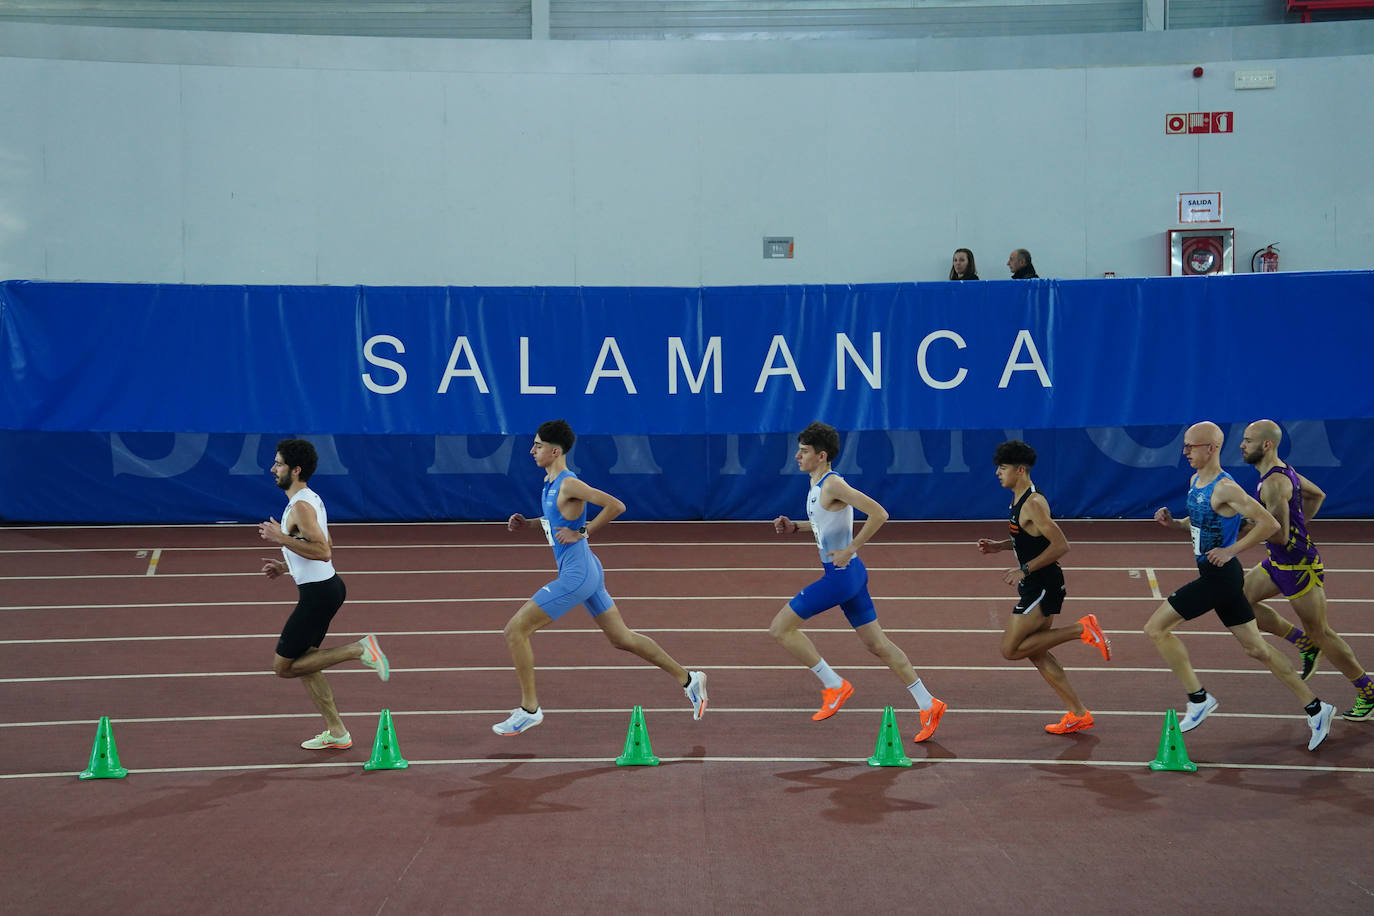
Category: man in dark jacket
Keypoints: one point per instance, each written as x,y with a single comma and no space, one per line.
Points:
1020,265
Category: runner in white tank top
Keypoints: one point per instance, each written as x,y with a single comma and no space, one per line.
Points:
830,506
307,551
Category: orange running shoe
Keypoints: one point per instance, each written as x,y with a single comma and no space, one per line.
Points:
1093,636
832,698
930,720
1071,723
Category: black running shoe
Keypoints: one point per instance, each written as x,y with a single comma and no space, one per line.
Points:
1310,657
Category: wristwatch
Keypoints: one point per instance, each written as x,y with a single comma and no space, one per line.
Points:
1024,569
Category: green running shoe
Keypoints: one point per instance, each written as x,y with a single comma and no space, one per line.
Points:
1363,709
1310,658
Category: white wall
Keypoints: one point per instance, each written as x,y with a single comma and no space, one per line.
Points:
215,158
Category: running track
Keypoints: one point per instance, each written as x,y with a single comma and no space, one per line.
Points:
170,631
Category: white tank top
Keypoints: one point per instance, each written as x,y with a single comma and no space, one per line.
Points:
833,530
303,570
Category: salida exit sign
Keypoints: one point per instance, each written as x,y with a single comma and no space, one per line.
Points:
1200,122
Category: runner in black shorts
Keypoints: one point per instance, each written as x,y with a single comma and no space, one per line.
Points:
1039,543
1216,507
303,534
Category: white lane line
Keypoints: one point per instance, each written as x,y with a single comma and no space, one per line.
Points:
484,669
674,710
620,599
920,763
581,631
617,570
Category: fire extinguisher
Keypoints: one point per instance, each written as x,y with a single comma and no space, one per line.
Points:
1265,261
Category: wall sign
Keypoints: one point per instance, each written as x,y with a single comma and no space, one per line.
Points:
1199,207
1200,122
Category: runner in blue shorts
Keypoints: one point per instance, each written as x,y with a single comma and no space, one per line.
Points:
830,509
580,580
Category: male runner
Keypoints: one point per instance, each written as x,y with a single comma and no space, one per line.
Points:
581,580
303,534
1039,543
1294,567
830,508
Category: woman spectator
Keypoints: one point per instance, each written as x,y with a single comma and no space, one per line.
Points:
963,267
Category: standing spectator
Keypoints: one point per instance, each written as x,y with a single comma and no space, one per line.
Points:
1020,265
963,267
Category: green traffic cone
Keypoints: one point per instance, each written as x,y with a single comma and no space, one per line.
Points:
637,753
104,756
889,752
386,754
1172,755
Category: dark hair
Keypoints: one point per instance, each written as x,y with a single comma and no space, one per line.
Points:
972,267
822,438
298,453
559,433
1014,452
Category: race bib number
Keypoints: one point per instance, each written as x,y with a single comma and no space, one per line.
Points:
1197,540
548,532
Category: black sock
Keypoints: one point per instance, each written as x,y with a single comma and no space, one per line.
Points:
1200,696
1314,707
530,711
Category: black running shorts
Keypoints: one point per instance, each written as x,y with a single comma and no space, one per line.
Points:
1042,590
306,627
1219,588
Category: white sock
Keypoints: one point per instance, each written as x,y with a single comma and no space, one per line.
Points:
829,679
921,695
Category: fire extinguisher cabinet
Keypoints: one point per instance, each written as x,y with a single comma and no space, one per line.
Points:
1201,252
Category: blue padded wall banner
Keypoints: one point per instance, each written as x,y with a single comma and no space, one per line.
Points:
1041,354
144,403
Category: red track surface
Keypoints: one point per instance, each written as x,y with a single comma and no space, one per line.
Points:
755,807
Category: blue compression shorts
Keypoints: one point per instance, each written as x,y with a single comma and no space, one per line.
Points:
846,588
581,580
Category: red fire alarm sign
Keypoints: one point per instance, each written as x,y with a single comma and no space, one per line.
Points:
1200,122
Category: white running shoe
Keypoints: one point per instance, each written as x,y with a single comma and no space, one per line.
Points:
696,692
519,721
1196,712
325,740
1320,725
375,658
